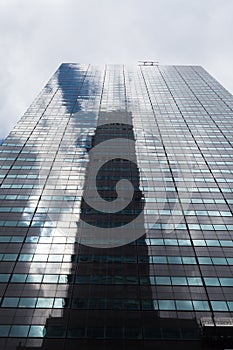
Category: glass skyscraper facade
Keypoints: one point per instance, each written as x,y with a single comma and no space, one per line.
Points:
116,202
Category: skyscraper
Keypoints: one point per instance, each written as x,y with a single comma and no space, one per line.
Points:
116,212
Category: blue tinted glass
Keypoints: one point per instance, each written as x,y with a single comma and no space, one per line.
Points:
63,279
19,331
163,280
211,281
219,261
226,282
32,239
4,330
156,241
194,281
174,260
184,242
230,261
44,303
155,305
201,305
184,305
204,260
159,259
10,302
199,242
188,260
17,239
50,278
4,277
226,243
18,277
230,305
5,239
179,281
10,257
37,332
59,303
170,241
219,305
34,278
27,302
167,305
25,257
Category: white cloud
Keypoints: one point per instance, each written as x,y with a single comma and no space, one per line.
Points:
36,36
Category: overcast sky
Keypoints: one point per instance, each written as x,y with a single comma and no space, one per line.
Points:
37,35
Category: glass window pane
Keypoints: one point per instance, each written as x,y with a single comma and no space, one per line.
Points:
27,302
212,242
159,259
201,305
194,281
219,305
199,242
4,277
219,261
170,241
50,278
59,303
34,278
163,280
211,281
179,281
25,257
167,305
184,305
188,260
204,260
37,332
4,330
63,279
230,305
184,242
44,302
10,302
18,277
174,260
19,331
226,282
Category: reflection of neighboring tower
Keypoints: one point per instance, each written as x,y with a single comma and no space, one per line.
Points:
114,316
103,302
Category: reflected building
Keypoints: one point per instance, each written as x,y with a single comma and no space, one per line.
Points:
116,212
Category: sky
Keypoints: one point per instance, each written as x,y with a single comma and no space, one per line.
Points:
36,36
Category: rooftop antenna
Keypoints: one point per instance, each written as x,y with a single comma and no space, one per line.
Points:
148,63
